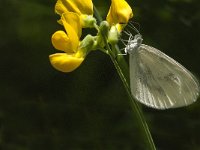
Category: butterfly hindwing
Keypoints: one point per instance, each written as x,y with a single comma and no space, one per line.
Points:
159,81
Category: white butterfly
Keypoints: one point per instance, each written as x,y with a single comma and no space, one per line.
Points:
157,80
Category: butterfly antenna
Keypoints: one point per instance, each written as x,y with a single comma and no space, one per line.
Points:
123,42
131,37
132,26
135,23
127,32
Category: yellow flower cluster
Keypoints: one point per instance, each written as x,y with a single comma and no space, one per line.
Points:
75,15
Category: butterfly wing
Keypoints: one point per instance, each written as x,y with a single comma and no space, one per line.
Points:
159,81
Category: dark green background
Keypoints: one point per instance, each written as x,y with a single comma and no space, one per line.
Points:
88,109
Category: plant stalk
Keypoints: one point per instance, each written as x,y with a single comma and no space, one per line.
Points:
122,70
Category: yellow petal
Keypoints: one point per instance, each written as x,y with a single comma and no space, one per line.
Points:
85,6
72,26
74,21
64,62
60,7
60,41
120,27
77,6
119,12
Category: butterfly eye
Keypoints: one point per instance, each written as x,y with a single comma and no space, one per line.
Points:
139,41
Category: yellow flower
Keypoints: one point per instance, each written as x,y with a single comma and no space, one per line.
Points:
84,8
65,62
119,13
67,42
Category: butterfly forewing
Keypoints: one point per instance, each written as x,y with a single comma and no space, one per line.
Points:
159,81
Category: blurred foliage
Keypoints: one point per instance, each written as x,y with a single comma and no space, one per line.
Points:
88,109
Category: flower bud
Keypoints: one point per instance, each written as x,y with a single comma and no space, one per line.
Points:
113,35
104,28
87,45
88,21
103,33
120,12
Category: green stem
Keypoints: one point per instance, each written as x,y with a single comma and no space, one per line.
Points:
135,107
122,70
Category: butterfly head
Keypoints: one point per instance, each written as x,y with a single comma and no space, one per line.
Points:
133,43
